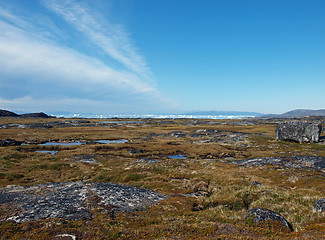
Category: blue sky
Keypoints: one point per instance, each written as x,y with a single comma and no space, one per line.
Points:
162,56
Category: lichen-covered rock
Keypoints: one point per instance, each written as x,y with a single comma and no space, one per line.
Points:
298,131
310,162
72,200
263,214
319,205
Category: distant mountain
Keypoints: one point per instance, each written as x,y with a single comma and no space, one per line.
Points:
225,113
6,113
35,115
297,113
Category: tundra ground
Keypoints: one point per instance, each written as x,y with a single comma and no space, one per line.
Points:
186,159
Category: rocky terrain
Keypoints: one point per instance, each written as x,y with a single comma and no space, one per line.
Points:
312,162
73,200
161,178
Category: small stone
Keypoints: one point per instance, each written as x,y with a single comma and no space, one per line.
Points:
262,214
255,183
65,237
135,151
319,205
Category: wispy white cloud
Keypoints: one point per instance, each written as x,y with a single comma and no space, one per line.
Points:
5,14
36,26
111,38
41,58
49,104
82,104
40,73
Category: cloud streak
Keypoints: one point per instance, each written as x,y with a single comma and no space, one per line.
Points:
38,58
55,105
37,69
111,38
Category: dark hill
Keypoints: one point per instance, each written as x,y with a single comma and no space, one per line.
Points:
297,113
5,113
35,115
234,113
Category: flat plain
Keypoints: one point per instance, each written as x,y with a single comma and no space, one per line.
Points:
190,162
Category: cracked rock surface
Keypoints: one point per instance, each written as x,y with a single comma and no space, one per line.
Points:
72,200
290,161
299,131
210,135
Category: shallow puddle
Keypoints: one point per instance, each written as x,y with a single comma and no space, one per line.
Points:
123,122
46,151
62,143
178,156
111,141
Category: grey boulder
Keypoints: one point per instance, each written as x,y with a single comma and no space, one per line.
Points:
298,131
263,214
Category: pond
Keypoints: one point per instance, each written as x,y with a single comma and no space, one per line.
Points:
62,143
123,122
47,151
177,156
111,141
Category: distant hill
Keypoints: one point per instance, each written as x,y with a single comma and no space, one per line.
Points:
35,115
225,113
6,113
297,113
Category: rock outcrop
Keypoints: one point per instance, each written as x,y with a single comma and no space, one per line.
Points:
210,135
311,162
298,131
263,214
72,200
